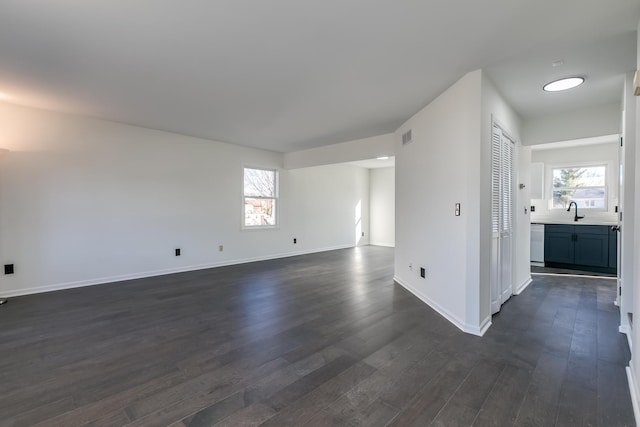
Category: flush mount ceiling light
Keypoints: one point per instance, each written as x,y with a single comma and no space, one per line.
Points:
563,84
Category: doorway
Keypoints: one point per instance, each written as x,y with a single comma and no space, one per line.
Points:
581,175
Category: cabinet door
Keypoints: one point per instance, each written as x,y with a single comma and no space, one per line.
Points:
558,244
592,245
613,249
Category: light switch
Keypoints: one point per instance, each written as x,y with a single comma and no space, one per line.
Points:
457,211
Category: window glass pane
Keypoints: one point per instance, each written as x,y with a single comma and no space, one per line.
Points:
259,183
586,198
592,176
259,212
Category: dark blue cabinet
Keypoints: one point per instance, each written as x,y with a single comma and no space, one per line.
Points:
585,247
559,244
592,245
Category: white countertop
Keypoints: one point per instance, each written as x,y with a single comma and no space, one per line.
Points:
570,221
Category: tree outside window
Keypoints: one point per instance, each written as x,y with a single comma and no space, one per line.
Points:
260,197
584,185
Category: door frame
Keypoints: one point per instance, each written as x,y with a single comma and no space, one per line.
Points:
499,292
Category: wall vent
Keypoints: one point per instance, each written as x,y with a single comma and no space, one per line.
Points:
406,137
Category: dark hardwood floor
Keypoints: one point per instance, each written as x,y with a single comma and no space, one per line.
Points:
322,339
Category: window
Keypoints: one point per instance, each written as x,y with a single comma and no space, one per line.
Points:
260,198
585,185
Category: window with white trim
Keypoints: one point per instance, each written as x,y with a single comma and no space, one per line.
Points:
585,185
260,201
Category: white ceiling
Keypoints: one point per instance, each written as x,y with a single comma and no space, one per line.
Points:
603,62
287,75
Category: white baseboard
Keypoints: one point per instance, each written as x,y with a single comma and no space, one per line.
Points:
582,276
523,286
626,329
478,330
634,395
162,272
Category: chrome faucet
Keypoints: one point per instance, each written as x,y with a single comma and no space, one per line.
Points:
576,217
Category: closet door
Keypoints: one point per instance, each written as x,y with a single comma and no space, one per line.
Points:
502,153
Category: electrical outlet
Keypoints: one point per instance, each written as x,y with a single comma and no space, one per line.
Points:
411,266
423,272
457,209
295,240
177,251
533,208
8,269
220,248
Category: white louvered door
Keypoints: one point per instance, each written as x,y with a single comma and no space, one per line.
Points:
502,153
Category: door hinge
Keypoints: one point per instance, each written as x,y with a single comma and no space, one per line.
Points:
620,290
620,215
621,141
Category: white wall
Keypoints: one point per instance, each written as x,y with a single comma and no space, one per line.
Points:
606,153
85,201
329,206
448,162
359,149
495,108
523,224
438,169
585,123
634,363
626,273
383,204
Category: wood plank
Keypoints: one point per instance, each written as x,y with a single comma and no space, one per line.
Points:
504,400
540,405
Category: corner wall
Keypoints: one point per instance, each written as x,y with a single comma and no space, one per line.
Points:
627,195
448,162
85,201
434,172
634,364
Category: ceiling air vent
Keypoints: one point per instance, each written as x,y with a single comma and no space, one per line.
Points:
406,137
